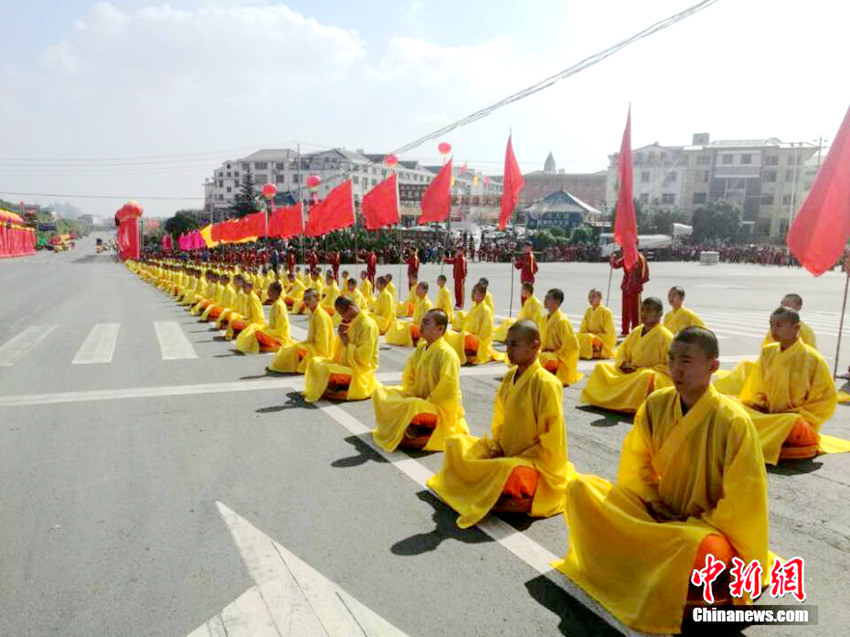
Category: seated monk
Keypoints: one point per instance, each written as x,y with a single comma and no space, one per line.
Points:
192,282
691,482
235,307
330,294
409,305
384,313
807,335
460,315
271,336
427,408
253,314
366,289
474,345
444,298
559,345
532,309
320,338
640,367
597,336
295,294
223,300
206,295
406,333
680,317
354,294
349,373
789,393
523,468
388,278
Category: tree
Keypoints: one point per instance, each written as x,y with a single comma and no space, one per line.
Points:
661,221
182,222
719,219
584,234
247,200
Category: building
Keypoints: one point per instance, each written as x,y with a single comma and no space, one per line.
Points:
560,209
589,187
473,194
768,178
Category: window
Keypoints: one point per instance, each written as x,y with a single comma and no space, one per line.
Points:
672,177
668,198
220,174
746,159
261,165
706,176
727,159
220,183
699,197
355,179
644,197
260,179
374,182
769,176
644,176
703,160
228,166
789,174
767,200
228,173
792,159
295,178
783,227
786,200
771,160
236,174
280,179
228,189
245,166
278,165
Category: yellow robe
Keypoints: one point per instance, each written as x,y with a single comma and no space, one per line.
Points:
399,332
430,384
215,300
558,343
444,302
205,292
358,359
478,323
296,293
384,313
320,341
330,295
277,327
788,385
403,309
391,287
597,323
677,320
366,290
532,309
528,427
228,301
611,388
253,315
806,333
358,298
459,321
707,467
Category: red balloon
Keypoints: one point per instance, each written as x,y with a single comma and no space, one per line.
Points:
445,148
313,181
390,160
269,191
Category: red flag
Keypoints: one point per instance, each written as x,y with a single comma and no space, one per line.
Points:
820,230
625,226
287,221
380,205
167,243
437,200
253,225
512,185
334,213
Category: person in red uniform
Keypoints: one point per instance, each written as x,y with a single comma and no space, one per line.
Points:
412,265
526,264
291,260
634,279
334,260
371,266
459,274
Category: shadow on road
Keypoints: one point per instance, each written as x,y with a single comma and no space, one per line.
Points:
609,418
575,618
446,529
795,467
294,401
365,453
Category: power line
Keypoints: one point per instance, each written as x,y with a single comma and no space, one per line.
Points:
125,197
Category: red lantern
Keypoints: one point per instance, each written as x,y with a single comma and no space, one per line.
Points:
269,191
445,148
313,181
390,160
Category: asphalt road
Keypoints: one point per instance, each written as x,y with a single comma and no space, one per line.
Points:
113,460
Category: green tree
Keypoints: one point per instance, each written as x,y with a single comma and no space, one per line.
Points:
247,200
661,221
717,220
182,222
584,234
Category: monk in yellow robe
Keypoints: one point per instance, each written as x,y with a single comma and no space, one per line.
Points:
406,333
640,367
474,344
384,313
680,317
355,294
205,295
691,482
460,315
349,373
795,302
295,295
366,289
330,294
320,340
790,392
532,309
444,298
234,309
391,288
523,467
222,299
597,336
253,312
559,345
427,408
317,283
407,307
190,289
271,336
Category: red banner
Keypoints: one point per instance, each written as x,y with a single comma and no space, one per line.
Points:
625,225
512,185
380,205
15,241
287,222
334,213
437,200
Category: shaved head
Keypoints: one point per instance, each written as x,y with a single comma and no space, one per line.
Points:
526,330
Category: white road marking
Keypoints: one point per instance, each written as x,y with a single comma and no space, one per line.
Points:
99,346
290,597
173,343
14,349
526,549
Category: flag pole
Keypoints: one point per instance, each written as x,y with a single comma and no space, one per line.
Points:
610,274
841,324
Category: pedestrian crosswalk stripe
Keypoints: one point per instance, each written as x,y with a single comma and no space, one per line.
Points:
99,346
15,349
173,343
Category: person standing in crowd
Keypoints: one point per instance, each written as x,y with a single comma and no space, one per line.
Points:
634,279
459,275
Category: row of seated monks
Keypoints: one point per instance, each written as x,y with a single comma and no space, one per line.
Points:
691,479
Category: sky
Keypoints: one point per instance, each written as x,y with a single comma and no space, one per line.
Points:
142,99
